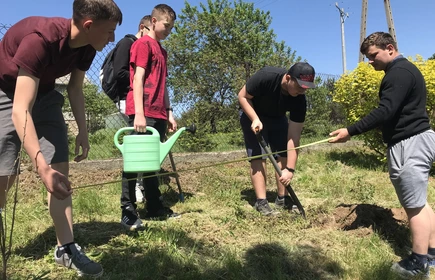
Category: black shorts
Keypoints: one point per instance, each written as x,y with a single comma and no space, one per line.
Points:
275,133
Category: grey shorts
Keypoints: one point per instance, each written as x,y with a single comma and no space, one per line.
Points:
275,133
409,163
50,127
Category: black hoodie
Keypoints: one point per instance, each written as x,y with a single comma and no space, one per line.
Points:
121,62
401,112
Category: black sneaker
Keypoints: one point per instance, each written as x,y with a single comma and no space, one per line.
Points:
163,213
130,220
286,203
411,267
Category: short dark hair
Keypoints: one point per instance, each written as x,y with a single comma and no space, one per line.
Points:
164,9
96,10
378,39
146,20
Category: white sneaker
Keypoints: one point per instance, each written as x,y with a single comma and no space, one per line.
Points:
78,261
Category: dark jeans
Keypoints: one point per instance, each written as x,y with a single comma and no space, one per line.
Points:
151,185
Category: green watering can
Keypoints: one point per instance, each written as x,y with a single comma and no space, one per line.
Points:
145,152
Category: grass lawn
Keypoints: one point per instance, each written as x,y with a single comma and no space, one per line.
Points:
354,229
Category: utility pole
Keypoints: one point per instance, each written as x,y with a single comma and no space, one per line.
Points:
343,17
363,28
390,22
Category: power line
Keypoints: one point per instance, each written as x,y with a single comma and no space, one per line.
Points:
269,4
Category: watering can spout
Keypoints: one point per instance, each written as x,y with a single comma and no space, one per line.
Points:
165,148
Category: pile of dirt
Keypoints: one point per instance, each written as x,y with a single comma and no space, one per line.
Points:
365,219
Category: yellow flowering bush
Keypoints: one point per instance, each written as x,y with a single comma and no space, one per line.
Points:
358,93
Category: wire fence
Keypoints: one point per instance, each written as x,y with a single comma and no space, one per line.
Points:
218,128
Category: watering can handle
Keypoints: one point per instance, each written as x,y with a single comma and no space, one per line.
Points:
124,129
116,136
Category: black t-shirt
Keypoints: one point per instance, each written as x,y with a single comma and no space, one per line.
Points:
270,100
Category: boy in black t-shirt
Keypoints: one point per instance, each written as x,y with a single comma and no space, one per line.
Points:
265,99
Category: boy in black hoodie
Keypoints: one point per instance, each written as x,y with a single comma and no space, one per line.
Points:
411,144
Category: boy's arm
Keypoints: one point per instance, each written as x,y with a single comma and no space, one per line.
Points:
139,112
25,94
394,89
171,121
294,136
245,101
77,101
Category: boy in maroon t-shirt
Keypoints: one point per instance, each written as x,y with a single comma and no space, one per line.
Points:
33,53
148,104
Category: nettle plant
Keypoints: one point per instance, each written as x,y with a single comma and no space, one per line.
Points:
358,93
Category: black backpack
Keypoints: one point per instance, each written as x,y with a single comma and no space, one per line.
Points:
107,77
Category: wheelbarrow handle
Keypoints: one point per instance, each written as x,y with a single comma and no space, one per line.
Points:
278,170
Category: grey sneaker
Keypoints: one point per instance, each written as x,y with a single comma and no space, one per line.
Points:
286,203
410,267
78,261
264,208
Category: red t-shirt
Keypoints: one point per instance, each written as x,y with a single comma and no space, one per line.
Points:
147,52
39,45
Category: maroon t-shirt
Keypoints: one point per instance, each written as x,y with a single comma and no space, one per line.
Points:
39,45
147,53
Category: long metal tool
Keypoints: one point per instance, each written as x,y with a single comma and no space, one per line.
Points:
191,129
278,170
180,191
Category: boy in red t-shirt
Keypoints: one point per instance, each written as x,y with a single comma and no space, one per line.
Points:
148,104
33,53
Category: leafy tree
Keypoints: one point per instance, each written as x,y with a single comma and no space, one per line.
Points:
214,49
323,114
432,57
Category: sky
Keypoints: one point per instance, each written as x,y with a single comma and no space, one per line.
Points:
311,27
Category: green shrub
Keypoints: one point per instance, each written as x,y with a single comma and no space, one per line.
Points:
102,136
197,142
101,142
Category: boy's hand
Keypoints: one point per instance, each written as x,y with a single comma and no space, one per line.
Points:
286,177
56,183
172,124
256,125
82,140
341,136
140,123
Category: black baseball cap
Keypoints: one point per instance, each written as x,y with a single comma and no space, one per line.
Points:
304,74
